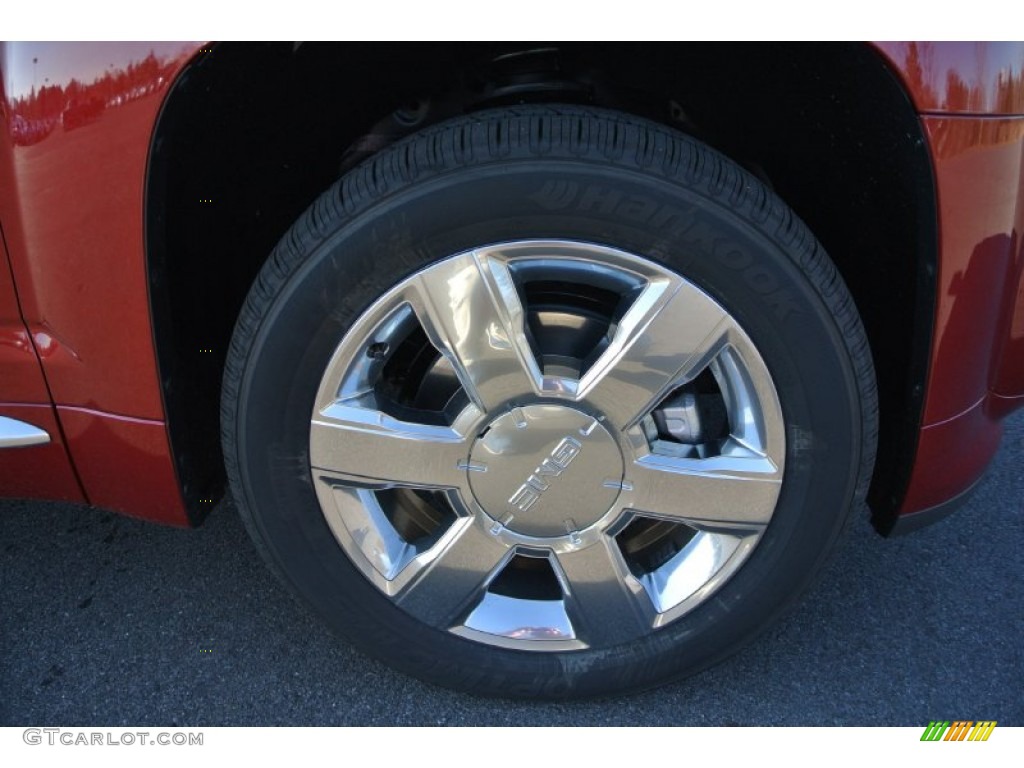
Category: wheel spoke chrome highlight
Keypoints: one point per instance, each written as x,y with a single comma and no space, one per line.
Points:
356,514
457,577
605,603
509,621
470,310
369,448
723,493
670,331
694,572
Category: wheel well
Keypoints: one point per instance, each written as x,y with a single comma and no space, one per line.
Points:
250,135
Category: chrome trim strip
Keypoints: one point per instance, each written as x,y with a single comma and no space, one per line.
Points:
17,434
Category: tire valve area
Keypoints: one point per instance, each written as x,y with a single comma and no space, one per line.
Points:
378,350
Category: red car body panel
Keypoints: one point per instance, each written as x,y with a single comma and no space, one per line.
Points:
980,216
140,480
976,376
961,78
20,375
72,210
42,470
971,100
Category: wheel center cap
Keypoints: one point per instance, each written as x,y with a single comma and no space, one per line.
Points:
545,471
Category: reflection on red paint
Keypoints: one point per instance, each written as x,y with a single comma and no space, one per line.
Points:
974,78
46,345
38,113
978,173
21,379
979,323
73,217
15,339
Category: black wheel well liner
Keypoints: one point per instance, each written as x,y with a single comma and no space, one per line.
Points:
251,134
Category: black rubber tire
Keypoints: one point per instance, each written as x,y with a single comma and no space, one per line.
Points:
550,172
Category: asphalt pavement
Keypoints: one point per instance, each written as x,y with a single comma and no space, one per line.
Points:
110,621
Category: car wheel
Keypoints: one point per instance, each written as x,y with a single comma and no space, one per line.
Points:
548,401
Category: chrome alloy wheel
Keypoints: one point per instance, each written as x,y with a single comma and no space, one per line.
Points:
547,445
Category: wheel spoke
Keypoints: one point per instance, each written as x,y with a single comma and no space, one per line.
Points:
671,332
463,564
471,311
369,448
725,494
605,603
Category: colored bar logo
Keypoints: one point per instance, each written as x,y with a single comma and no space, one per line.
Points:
959,730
